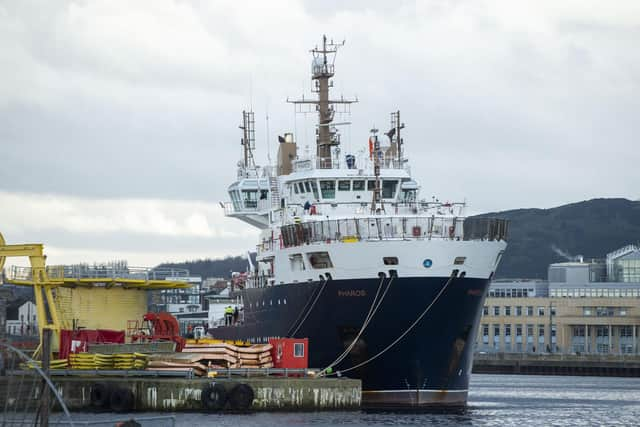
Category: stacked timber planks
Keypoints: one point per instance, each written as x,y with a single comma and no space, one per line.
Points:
203,357
232,356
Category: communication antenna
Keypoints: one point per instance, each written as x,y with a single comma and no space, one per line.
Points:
268,136
322,70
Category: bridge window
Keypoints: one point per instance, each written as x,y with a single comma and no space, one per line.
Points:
314,187
235,198
371,185
295,188
344,185
301,187
409,196
328,189
307,186
389,189
358,185
250,198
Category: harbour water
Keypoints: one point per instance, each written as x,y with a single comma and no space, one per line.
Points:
494,400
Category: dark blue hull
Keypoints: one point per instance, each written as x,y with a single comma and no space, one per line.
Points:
429,366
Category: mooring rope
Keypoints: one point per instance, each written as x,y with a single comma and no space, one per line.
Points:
308,311
426,310
375,305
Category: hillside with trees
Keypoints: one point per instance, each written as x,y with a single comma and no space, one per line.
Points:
212,267
592,228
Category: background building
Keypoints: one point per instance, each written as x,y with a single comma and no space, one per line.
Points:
22,319
177,301
584,307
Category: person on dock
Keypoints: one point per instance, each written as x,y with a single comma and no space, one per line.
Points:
228,315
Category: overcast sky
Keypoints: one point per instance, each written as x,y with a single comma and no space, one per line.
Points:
119,120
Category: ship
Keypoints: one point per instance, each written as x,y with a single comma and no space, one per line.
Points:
388,287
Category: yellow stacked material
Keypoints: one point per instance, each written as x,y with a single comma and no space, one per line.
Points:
136,361
141,361
103,361
123,361
82,361
108,361
53,364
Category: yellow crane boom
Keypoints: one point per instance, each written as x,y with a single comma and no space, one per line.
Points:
47,313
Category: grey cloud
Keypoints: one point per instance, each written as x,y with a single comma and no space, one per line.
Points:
480,101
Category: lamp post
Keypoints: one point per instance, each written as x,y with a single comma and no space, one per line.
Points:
551,326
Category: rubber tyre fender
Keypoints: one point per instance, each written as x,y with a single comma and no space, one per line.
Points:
241,397
100,395
121,400
214,397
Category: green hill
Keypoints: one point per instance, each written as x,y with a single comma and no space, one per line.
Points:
538,237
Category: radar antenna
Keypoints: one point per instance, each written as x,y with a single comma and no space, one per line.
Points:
322,70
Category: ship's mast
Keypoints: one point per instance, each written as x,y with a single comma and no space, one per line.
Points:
396,139
248,140
322,70
377,154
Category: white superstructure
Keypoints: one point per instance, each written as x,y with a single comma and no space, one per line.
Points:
351,215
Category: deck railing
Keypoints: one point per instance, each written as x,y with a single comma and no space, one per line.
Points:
387,228
82,271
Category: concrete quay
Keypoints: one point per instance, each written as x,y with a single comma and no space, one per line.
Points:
557,364
179,394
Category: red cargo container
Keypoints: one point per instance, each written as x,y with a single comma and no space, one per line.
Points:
290,353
